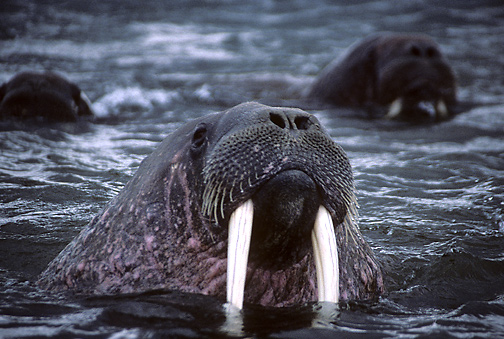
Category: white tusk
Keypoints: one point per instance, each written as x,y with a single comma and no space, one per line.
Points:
441,110
395,109
85,98
239,234
233,326
325,253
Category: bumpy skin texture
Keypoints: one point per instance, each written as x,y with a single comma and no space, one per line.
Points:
383,67
167,228
42,97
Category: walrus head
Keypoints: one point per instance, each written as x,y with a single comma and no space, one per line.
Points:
413,78
42,97
255,203
403,73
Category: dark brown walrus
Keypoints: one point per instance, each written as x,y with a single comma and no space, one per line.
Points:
405,73
253,179
42,97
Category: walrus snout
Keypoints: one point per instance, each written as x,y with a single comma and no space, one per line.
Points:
417,88
285,208
275,140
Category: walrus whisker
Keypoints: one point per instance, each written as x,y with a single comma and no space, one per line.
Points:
207,195
222,202
350,221
239,234
350,228
325,251
214,207
231,191
208,200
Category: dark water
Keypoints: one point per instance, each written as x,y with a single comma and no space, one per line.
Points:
431,196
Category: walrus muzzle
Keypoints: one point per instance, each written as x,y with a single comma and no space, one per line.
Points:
324,249
292,185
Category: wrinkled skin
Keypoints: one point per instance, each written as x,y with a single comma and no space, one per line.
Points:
167,228
42,97
382,68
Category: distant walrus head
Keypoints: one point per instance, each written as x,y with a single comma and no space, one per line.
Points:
42,97
405,73
255,203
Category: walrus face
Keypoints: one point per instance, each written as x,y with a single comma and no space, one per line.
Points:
413,78
42,97
279,183
405,74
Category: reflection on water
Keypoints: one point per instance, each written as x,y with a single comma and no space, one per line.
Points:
431,196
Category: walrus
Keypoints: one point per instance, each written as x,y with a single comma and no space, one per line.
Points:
405,73
253,204
42,97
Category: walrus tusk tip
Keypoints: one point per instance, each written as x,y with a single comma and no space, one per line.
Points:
441,110
394,109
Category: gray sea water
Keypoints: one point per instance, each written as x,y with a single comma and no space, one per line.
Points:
431,196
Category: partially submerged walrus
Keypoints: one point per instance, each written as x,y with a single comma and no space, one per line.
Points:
256,203
42,97
405,73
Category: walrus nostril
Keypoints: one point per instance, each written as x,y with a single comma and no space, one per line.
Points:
278,119
291,121
302,122
419,51
431,52
415,50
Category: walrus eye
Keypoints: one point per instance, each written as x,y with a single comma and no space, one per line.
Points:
199,136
